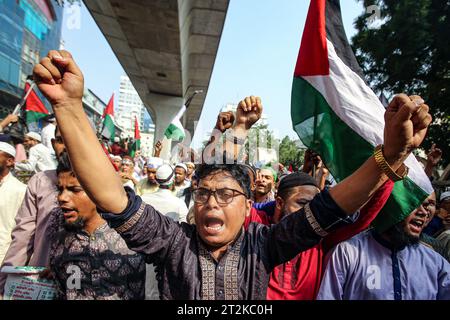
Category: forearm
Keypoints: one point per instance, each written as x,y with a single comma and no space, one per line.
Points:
91,165
354,191
231,148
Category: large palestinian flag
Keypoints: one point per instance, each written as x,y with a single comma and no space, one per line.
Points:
337,115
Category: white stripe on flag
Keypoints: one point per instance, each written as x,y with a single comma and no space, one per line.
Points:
358,106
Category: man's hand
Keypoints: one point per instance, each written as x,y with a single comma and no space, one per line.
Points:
59,78
434,156
225,121
406,123
10,118
248,112
157,149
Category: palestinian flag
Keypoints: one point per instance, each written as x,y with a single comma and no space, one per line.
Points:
337,115
108,130
34,107
137,138
175,130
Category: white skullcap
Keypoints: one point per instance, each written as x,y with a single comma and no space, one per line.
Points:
182,165
154,162
34,135
116,139
7,148
165,175
445,195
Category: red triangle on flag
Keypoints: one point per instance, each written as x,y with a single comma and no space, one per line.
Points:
33,102
109,109
313,56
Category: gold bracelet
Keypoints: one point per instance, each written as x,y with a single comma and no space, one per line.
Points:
401,173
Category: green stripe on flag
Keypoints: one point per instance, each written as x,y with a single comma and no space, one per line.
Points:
174,133
33,116
108,131
342,156
343,150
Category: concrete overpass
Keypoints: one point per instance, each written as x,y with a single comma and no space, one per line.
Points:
167,48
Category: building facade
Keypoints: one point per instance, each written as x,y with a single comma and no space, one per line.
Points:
94,106
28,30
129,107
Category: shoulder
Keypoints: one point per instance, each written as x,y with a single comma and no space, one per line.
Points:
47,177
427,251
17,183
355,245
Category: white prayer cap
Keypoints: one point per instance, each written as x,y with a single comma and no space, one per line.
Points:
7,148
154,162
116,139
181,165
164,175
34,135
445,196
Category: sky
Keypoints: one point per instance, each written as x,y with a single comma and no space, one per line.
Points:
257,55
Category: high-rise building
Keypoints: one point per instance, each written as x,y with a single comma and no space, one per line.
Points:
28,30
129,107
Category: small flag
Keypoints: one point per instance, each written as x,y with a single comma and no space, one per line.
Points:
34,107
175,130
137,139
108,130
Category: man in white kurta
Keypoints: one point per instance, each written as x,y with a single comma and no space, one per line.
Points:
169,205
40,157
12,192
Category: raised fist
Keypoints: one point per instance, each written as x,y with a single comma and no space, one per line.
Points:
434,156
249,111
157,149
225,121
406,123
59,78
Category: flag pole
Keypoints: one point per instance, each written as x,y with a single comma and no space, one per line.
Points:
22,102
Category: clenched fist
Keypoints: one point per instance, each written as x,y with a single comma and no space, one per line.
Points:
249,111
406,123
59,78
225,121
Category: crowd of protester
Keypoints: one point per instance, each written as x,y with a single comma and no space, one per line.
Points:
142,227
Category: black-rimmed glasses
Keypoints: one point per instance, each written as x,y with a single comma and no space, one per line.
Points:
222,196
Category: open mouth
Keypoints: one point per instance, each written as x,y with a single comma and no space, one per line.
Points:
69,212
416,225
213,225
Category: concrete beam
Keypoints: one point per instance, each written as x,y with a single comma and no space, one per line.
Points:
166,47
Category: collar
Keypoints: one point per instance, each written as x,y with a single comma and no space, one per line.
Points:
5,178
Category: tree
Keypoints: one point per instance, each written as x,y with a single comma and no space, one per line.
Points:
259,136
290,153
410,53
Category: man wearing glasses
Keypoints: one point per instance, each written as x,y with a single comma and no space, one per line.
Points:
216,258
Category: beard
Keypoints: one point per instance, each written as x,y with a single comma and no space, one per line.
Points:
75,226
399,237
